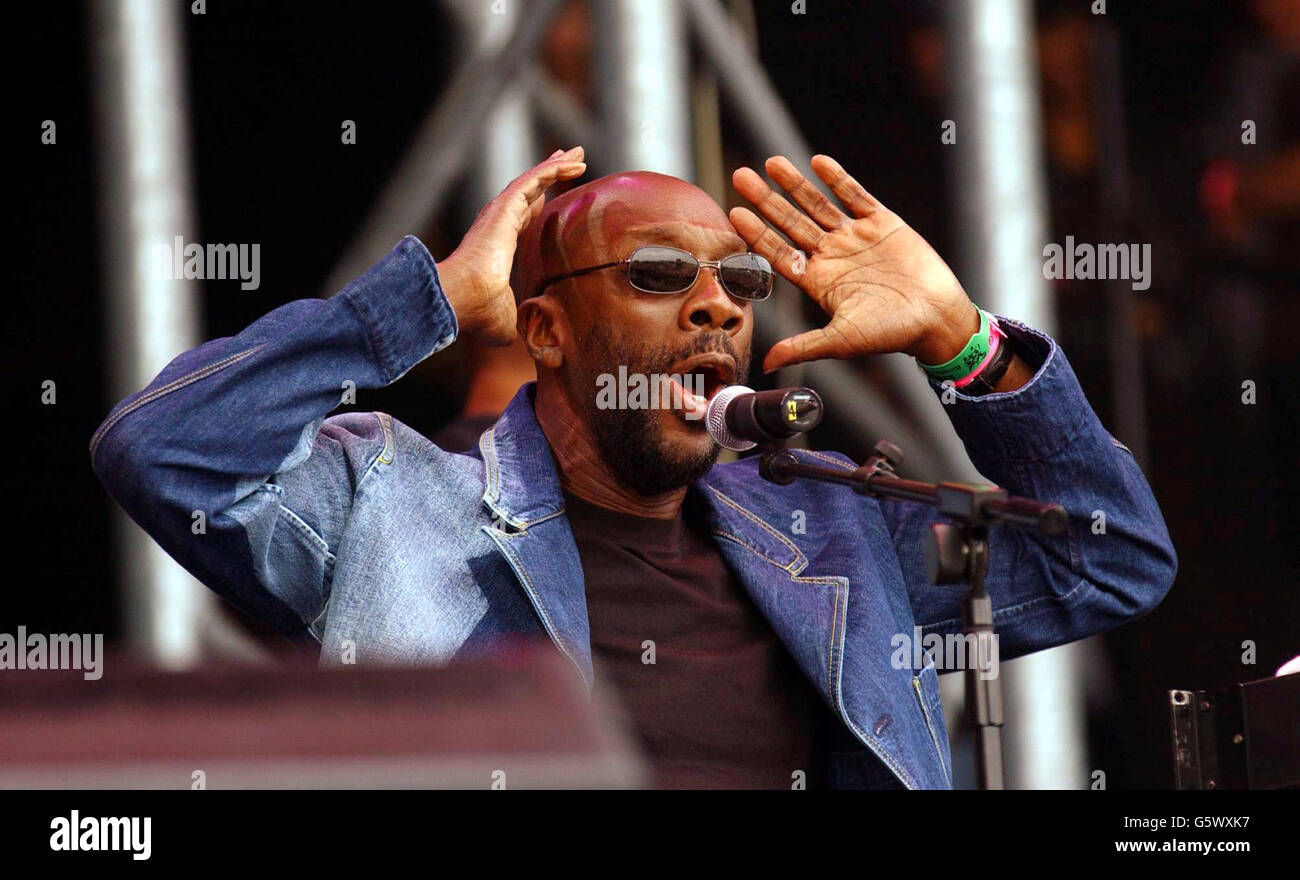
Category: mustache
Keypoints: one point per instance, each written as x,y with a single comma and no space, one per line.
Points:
604,353
714,343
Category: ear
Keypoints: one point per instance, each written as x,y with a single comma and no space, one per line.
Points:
544,329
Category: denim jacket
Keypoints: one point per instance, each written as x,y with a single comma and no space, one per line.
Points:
358,532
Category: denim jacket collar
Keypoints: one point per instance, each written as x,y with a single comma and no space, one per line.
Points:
522,489
522,484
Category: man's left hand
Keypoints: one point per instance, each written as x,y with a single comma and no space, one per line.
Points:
883,286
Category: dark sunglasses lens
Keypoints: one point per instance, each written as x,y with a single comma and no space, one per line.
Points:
662,270
747,276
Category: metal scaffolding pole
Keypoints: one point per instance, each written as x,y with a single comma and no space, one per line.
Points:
143,119
509,144
643,84
994,101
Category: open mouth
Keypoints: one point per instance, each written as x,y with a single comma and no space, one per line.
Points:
704,376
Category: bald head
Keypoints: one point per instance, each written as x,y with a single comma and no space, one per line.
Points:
585,329
606,219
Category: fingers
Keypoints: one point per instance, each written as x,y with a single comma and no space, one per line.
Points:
806,196
810,346
840,338
524,197
780,213
560,165
762,239
859,202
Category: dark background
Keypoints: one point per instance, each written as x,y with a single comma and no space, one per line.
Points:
269,84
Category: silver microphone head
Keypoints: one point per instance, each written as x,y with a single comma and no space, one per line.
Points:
716,419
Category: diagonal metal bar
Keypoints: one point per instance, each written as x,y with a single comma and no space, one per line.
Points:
441,151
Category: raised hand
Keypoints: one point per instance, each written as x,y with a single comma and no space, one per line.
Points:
476,276
883,286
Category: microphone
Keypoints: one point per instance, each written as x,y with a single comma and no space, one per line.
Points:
740,418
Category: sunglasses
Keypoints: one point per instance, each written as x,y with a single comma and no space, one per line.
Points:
659,269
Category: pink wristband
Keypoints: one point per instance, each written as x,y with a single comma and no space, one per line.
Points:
995,340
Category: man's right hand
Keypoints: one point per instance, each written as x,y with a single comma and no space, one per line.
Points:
476,276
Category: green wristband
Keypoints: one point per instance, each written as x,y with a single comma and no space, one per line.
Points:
970,357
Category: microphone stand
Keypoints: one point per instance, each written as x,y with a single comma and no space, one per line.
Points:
953,552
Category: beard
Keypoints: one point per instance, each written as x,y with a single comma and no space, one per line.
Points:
634,442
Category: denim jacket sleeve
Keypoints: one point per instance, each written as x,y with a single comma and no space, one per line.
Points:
1116,560
236,430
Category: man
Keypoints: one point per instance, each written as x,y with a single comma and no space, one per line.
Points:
746,654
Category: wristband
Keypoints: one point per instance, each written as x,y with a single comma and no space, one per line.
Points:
968,359
985,379
996,340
